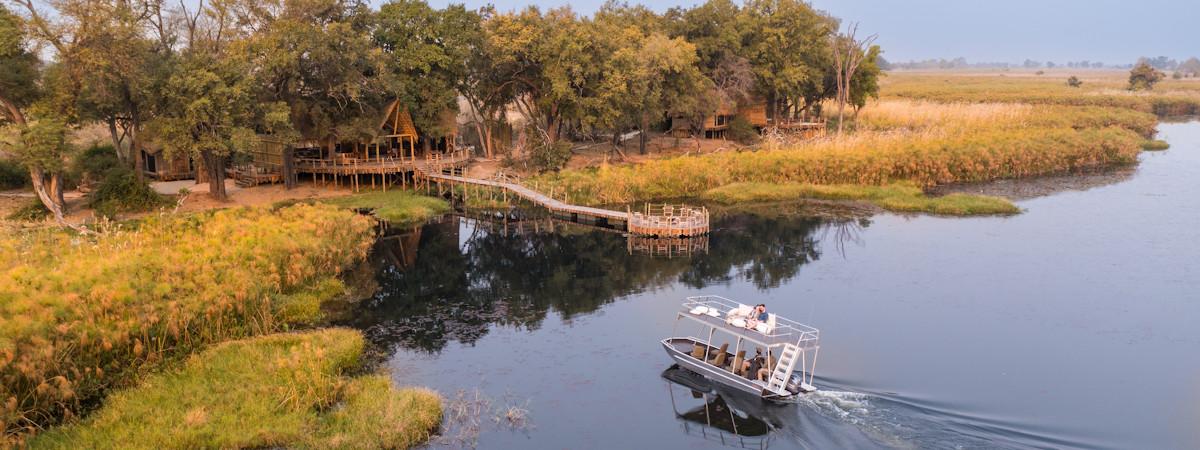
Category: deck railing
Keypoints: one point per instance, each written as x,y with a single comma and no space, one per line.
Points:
785,329
669,220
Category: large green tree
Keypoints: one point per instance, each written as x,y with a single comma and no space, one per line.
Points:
424,53
317,57
553,71
787,44
209,114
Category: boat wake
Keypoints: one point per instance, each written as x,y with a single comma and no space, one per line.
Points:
892,421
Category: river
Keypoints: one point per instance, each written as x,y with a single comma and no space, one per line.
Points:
1073,324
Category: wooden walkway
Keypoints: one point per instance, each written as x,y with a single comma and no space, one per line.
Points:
664,220
657,220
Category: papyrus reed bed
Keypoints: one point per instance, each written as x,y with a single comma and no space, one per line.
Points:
921,143
82,314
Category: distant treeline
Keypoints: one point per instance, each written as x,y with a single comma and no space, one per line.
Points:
1190,66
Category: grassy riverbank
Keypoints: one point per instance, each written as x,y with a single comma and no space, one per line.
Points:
395,206
928,130
85,315
894,197
925,157
285,390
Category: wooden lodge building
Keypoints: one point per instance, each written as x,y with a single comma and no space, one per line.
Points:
716,125
398,151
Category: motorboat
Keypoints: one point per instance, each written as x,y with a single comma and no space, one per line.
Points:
788,349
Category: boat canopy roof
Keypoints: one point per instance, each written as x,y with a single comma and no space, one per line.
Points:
714,311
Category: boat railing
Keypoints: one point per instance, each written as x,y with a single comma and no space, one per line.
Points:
785,329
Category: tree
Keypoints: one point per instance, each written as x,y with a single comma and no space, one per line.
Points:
425,50
1144,77
121,72
40,144
848,53
665,82
482,83
1190,67
551,68
788,49
865,82
1073,81
19,79
208,116
648,76
317,58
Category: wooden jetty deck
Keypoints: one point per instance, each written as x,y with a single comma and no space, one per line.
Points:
659,220
447,169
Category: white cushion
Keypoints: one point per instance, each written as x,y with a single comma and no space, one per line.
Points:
744,310
699,310
713,312
761,327
738,322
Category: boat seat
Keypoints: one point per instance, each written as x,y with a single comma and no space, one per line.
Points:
698,351
719,360
736,367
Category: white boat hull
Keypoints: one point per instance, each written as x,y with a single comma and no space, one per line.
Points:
716,374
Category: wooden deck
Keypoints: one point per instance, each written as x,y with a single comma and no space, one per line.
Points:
446,169
664,220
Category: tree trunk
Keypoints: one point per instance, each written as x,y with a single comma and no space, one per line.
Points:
215,167
117,140
135,146
552,125
487,152
642,134
49,192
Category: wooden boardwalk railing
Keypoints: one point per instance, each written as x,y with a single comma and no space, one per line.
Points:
664,220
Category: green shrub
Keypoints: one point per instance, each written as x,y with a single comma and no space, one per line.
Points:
549,157
1155,144
94,164
12,174
121,192
741,130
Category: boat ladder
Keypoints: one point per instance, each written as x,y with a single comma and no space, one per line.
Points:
783,370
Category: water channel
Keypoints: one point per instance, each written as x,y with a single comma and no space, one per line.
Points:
1074,324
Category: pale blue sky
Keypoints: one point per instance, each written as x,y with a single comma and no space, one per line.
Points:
997,30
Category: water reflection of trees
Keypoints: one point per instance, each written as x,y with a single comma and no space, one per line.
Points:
459,284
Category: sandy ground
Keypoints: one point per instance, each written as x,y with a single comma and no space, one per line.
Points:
199,200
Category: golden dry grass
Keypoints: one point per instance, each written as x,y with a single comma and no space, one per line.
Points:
83,314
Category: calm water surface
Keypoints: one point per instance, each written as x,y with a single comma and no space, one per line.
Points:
1075,324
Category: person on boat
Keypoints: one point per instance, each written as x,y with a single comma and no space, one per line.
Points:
758,315
751,367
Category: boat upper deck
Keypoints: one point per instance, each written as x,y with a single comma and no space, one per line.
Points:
715,311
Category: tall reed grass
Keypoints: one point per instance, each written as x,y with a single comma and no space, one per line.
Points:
288,390
81,314
921,142
924,157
